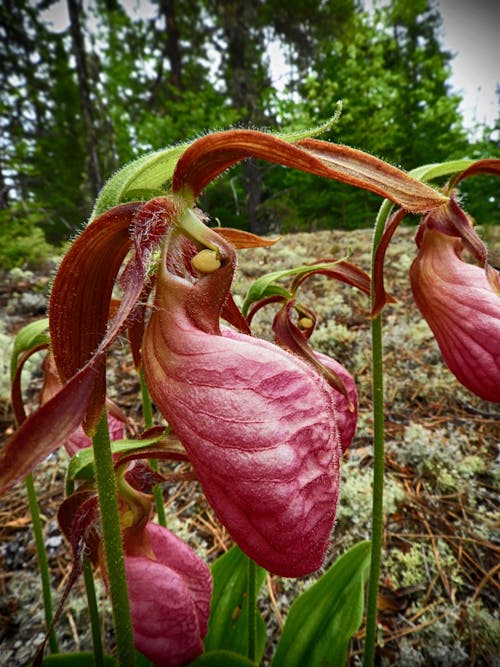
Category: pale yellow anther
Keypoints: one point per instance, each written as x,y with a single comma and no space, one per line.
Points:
305,322
127,519
206,261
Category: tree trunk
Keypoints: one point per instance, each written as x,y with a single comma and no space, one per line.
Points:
243,86
172,47
88,118
170,51
4,192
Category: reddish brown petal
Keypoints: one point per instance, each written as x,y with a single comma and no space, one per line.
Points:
209,156
380,295
366,171
487,166
341,270
241,239
81,294
16,390
46,429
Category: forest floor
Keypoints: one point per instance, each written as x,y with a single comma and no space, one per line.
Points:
440,582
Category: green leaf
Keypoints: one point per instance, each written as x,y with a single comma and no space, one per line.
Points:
142,661
81,465
218,658
314,131
430,171
76,660
30,336
228,624
323,619
147,177
263,286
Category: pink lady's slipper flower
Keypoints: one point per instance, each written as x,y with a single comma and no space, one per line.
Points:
459,300
258,423
294,334
169,590
244,409
462,308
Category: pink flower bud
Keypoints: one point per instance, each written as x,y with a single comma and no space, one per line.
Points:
169,589
462,309
258,423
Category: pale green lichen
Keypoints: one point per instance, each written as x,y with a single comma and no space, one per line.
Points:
422,563
441,456
354,509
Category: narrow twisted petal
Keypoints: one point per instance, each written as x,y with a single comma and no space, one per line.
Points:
169,589
78,439
463,311
258,424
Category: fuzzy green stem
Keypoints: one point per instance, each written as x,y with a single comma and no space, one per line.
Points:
378,459
113,547
378,493
93,613
42,559
252,605
147,411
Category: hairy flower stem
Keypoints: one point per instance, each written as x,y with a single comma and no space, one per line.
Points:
113,547
378,460
378,492
42,559
147,411
93,613
251,601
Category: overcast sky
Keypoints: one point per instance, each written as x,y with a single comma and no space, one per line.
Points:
471,30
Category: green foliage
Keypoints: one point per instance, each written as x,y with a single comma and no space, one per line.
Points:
228,624
176,70
22,241
392,76
323,619
218,658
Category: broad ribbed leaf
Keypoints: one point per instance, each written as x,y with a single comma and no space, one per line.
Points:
147,177
322,620
228,624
